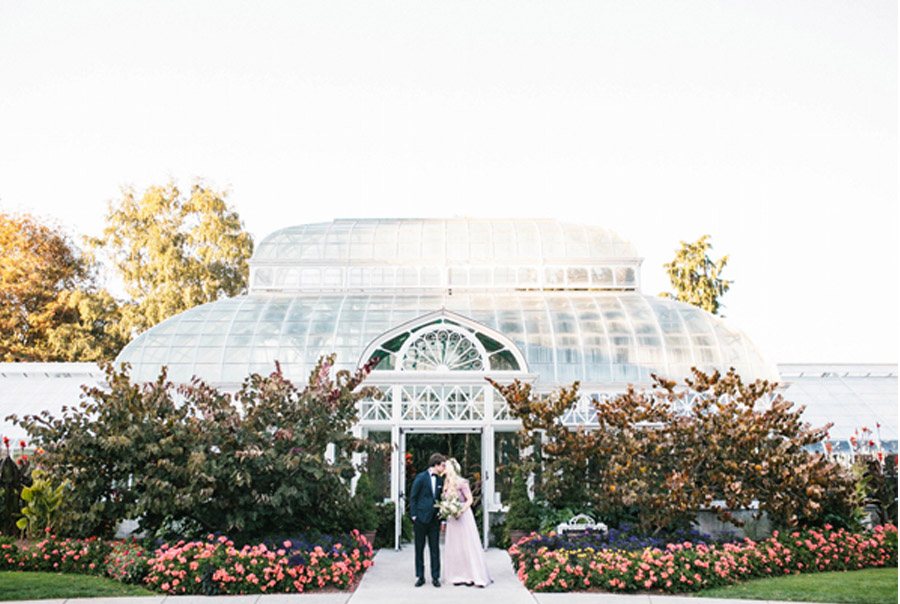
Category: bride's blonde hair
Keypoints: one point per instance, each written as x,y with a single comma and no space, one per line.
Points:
453,472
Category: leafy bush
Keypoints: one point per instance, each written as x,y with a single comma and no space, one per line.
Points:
685,567
364,508
42,500
197,461
384,537
523,514
877,474
650,460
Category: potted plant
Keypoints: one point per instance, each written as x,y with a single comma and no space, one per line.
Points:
365,508
523,515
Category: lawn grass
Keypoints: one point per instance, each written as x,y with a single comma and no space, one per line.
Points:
868,586
16,585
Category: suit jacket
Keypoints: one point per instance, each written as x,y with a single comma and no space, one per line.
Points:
421,499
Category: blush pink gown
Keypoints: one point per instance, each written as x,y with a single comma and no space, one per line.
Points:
463,555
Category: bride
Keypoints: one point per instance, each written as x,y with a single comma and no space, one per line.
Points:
464,562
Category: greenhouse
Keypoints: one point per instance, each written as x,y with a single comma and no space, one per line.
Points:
439,305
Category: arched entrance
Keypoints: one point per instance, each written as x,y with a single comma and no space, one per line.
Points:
431,374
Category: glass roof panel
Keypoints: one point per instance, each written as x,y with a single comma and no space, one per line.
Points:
430,242
593,337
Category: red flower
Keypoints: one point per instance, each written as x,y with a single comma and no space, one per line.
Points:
22,444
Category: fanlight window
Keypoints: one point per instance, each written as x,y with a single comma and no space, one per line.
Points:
443,345
442,350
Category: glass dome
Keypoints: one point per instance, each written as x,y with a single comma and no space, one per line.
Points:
435,254
600,338
559,301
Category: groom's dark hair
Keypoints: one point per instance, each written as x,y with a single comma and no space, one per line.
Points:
436,459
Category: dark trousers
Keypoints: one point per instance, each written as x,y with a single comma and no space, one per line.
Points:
432,532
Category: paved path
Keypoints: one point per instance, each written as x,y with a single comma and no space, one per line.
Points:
391,581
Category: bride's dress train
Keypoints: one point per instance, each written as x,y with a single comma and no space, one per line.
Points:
463,555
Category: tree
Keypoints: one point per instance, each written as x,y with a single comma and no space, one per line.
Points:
50,306
174,252
192,460
696,278
523,514
562,453
81,325
647,461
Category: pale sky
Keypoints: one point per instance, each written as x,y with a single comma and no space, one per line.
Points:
771,125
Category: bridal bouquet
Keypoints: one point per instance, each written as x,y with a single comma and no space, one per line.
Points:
449,506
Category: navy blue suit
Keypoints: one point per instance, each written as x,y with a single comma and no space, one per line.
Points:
426,522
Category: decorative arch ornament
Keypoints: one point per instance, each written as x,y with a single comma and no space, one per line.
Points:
444,341
442,347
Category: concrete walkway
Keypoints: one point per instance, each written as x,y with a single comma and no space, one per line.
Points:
391,580
393,576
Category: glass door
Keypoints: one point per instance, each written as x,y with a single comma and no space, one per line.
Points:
415,446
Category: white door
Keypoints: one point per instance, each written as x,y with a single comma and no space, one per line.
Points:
400,478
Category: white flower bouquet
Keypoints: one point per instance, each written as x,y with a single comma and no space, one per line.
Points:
449,506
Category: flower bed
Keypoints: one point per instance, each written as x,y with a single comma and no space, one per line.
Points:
683,567
84,556
626,537
216,566
212,566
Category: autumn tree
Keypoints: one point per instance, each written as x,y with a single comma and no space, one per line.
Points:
564,455
51,308
174,251
696,278
649,460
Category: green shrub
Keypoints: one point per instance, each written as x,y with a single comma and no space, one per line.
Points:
42,502
364,508
523,514
385,534
499,537
197,460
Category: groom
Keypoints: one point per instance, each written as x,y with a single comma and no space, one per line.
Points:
426,491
